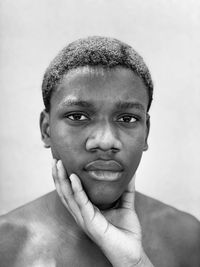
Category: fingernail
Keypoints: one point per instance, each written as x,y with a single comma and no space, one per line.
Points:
72,180
75,181
70,177
59,164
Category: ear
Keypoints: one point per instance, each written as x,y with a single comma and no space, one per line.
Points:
45,128
146,146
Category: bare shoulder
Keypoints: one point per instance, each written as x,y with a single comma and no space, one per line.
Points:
20,233
14,234
177,230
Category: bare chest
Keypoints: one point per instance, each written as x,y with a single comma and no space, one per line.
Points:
53,252
45,248
76,253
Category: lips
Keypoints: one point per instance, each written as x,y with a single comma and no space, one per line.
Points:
106,165
104,170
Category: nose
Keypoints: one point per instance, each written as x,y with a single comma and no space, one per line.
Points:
103,137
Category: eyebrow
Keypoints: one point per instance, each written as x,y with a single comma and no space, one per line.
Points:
121,105
76,102
129,105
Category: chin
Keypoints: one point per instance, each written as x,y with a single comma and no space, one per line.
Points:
104,205
103,196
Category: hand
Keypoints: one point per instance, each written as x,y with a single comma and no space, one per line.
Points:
116,231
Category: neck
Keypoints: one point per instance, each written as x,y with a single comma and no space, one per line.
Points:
60,216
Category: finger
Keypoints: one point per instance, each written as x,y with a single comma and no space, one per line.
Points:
55,174
95,222
65,193
57,182
63,182
81,198
128,197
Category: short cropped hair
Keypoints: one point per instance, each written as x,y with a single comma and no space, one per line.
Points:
94,51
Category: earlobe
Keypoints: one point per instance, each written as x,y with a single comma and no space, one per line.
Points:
146,146
45,128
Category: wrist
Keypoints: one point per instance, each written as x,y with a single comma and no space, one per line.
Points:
143,261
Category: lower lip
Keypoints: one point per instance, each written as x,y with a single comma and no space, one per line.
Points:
105,175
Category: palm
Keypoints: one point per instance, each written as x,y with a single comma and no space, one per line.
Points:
124,220
116,231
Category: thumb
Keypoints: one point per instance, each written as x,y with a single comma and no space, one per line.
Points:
127,200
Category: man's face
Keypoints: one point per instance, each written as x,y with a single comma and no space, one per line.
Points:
98,128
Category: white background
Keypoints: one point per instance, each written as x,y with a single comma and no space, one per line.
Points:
165,33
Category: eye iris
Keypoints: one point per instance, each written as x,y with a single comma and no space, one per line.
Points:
77,116
127,119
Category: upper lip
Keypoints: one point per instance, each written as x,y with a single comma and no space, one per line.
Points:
104,165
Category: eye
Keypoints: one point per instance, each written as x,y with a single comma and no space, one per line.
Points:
77,117
127,119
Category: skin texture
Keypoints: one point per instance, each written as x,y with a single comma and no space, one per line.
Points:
100,132
116,231
46,231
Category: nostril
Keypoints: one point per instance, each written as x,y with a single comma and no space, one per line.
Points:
95,144
115,150
103,139
104,150
94,149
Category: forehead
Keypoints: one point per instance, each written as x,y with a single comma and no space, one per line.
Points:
100,85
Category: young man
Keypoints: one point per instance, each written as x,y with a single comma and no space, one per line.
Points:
97,94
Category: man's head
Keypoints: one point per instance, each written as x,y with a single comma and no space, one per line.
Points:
97,93
94,51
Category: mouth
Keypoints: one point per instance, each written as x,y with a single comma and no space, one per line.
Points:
103,175
104,170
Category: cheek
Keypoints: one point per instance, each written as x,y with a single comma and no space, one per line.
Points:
66,146
134,151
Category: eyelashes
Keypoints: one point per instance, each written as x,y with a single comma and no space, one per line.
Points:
77,117
124,119
127,119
